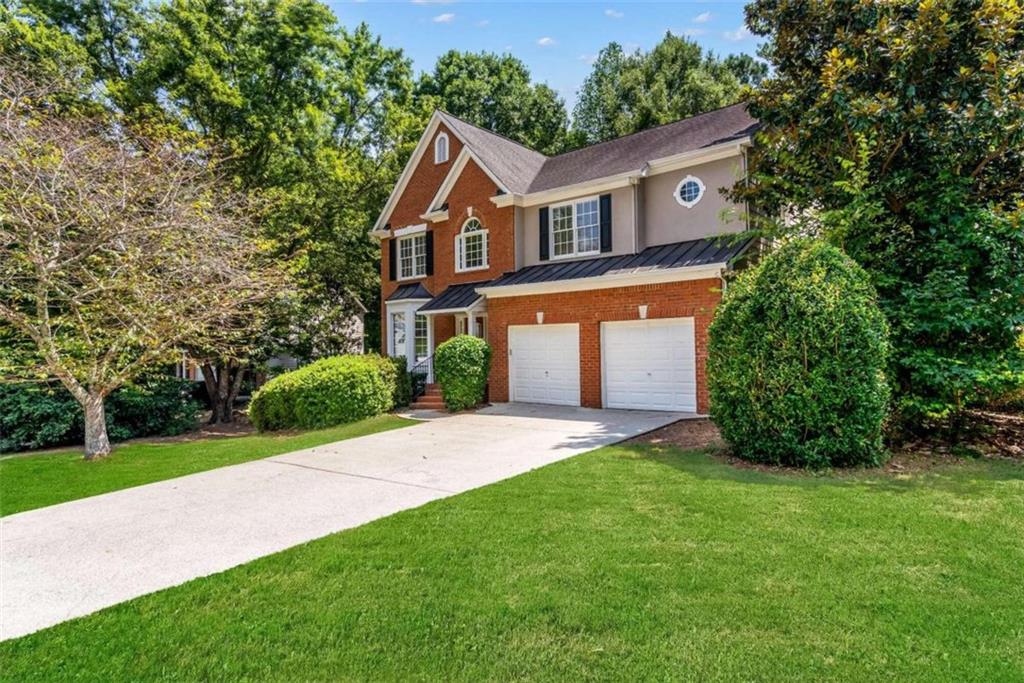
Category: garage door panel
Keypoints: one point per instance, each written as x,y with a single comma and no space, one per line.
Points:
545,364
649,364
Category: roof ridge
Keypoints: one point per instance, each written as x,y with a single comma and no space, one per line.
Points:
646,130
494,133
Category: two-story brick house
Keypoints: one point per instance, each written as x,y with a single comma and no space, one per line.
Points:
593,274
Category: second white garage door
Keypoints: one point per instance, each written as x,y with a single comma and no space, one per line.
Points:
544,364
649,364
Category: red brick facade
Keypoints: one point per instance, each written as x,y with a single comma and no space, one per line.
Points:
696,298
472,191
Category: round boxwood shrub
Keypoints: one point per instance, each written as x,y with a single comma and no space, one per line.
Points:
796,361
329,392
461,365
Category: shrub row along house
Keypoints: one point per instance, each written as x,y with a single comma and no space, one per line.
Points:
592,274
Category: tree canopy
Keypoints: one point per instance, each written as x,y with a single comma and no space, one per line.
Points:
896,130
495,92
625,93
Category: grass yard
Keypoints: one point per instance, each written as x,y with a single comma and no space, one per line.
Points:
627,563
35,481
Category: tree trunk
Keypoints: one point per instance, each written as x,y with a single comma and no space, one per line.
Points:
97,445
223,384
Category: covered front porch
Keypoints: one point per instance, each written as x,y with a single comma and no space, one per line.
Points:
416,322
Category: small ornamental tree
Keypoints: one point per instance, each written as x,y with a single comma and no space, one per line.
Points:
461,366
116,249
796,361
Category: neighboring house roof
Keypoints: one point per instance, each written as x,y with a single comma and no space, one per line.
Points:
412,291
456,297
700,252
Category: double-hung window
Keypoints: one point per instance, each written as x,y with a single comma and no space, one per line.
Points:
471,247
421,338
412,256
575,228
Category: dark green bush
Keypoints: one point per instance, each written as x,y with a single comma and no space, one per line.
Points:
796,361
45,415
403,381
329,392
461,366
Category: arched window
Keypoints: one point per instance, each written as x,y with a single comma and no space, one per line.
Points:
441,148
689,191
471,247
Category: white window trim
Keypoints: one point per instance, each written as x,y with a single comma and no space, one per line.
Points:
700,195
437,147
398,255
460,247
575,228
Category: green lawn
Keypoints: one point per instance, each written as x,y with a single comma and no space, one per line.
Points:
627,563
34,481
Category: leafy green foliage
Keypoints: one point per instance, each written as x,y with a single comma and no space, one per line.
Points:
46,415
494,92
403,381
796,361
626,93
329,392
896,130
461,366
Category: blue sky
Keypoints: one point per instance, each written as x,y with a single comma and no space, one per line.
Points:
556,40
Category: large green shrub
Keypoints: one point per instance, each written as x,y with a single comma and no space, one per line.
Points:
796,361
329,392
44,415
461,366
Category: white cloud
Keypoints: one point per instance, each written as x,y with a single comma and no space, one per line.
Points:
546,41
445,18
483,22
588,58
614,14
692,32
702,18
742,33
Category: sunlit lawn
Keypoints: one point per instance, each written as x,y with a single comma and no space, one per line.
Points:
33,481
627,563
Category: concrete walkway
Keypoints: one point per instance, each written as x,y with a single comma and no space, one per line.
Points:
72,559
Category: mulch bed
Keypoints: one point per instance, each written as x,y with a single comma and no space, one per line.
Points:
997,435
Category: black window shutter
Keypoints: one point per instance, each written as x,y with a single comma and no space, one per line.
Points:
545,241
392,259
430,252
606,222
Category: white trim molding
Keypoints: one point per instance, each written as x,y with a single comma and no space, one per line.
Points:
410,230
460,246
440,158
710,271
689,204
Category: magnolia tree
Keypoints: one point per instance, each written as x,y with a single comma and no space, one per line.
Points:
115,249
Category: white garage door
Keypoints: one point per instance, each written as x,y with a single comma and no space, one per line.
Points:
544,364
649,364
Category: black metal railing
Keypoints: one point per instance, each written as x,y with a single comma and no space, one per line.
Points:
420,375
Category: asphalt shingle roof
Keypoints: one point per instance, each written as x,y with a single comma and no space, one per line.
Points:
524,170
678,255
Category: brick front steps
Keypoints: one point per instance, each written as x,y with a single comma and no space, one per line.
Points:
431,400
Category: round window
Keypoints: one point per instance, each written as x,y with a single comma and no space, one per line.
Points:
689,191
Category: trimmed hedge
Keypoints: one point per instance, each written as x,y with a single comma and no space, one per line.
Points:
45,415
403,382
796,361
326,393
461,366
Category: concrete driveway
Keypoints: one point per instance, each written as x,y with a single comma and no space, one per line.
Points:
72,559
